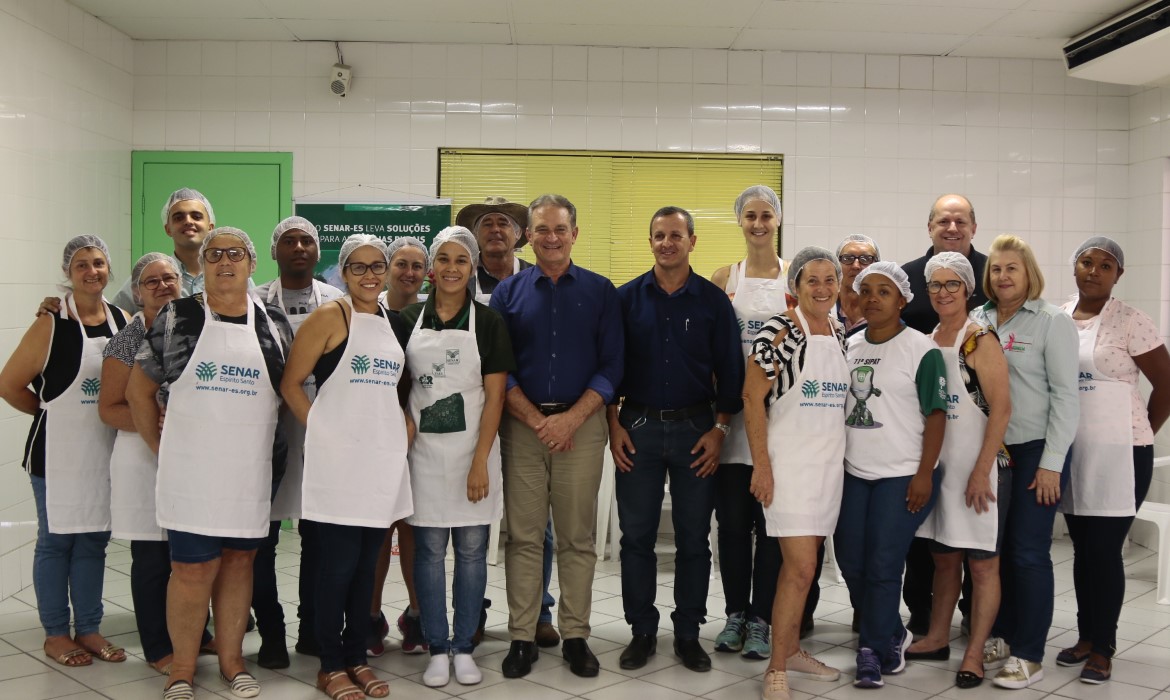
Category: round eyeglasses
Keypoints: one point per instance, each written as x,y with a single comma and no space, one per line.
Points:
153,283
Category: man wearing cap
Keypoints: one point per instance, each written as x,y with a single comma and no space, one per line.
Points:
499,226
187,217
565,324
681,385
951,226
296,252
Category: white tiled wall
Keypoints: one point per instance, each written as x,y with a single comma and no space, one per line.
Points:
65,123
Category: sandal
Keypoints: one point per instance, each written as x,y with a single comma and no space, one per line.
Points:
243,684
110,653
325,679
164,669
179,690
372,686
67,658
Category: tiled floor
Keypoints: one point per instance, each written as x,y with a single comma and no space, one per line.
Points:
1141,670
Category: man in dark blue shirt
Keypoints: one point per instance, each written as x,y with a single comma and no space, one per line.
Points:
683,381
566,330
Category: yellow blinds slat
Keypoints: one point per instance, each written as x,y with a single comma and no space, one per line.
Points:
616,193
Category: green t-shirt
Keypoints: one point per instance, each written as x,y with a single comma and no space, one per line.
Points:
491,335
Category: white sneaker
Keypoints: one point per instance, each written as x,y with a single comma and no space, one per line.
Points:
775,686
438,673
1018,673
995,653
466,672
803,665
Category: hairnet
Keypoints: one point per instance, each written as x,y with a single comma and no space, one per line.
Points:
80,243
455,234
859,238
806,255
356,241
294,223
1103,244
889,269
183,195
228,231
762,193
956,263
140,267
398,244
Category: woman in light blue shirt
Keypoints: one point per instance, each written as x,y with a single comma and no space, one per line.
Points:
1040,344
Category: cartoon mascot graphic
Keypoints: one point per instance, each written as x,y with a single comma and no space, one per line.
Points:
862,388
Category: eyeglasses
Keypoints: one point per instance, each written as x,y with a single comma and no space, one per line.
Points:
359,269
951,286
848,259
213,255
153,283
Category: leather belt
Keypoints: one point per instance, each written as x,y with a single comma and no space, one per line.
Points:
669,415
550,409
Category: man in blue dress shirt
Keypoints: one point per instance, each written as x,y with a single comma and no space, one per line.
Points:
683,381
566,329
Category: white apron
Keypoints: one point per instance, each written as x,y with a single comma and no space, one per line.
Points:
755,300
1101,481
215,456
78,444
355,442
446,403
951,522
287,502
806,443
485,297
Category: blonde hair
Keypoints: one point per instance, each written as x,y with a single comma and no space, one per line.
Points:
1008,243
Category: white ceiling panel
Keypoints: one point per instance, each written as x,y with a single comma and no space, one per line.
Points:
1109,7
1052,25
1009,47
204,28
593,35
217,9
847,42
406,32
649,16
429,11
859,17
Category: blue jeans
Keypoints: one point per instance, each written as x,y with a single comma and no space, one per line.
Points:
873,535
67,568
430,551
345,587
1025,564
664,448
547,601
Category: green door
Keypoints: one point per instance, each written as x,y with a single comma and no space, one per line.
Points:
251,191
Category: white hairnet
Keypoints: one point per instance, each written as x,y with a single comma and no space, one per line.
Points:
890,269
806,255
356,241
955,262
455,234
398,244
294,223
1103,244
140,267
228,231
859,238
762,193
82,242
183,195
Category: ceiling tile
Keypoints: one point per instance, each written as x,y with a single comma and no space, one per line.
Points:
1035,23
625,35
648,17
157,28
847,42
1010,47
399,10
393,31
215,9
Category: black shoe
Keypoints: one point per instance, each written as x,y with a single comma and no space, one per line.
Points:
273,653
940,654
251,624
518,662
581,660
639,651
919,624
967,680
806,627
308,647
692,655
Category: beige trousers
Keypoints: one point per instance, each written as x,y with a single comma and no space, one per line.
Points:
534,479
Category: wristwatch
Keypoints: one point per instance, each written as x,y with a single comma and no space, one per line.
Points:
724,428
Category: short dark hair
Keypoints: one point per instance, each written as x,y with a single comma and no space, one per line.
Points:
671,211
555,200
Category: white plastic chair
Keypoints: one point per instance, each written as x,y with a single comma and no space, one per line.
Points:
1159,515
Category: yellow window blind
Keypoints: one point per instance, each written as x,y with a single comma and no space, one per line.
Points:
616,193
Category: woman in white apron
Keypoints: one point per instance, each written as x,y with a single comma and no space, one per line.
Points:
975,469
758,291
154,282
797,448
461,355
1112,454
221,356
355,478
54,375
408,271
894,426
